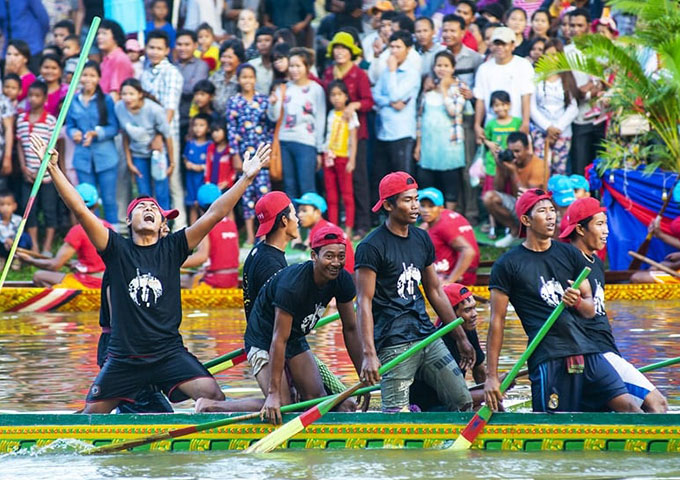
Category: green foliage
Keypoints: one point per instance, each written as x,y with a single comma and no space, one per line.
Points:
617,64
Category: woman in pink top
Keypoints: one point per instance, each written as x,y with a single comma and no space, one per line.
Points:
51,70
16,61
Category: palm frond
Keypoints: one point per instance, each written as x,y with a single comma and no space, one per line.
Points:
646,10
549,65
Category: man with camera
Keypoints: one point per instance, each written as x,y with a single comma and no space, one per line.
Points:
519,169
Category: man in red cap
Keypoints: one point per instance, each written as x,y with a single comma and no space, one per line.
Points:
279,225
146,310
567,371
390,264
585,226
286,310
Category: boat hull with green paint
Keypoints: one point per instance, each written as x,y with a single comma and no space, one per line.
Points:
505,431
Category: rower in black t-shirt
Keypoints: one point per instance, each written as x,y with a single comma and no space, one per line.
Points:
287,309
390,264
567,370
278,222
145,345
585,225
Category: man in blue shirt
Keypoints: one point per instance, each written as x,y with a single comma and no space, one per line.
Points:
26,20
396,95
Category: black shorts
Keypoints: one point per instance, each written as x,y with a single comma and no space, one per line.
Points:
123,380
554,389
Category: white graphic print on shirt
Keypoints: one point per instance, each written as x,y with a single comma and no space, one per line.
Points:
309,322
408,281
598,299
142,287
551,291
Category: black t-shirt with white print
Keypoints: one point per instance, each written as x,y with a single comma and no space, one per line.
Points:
293,290
146,306
399,314
262,263
598,327
535,283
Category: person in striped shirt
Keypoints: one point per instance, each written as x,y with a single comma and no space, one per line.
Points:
37,120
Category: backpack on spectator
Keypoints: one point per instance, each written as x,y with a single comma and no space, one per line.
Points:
275,167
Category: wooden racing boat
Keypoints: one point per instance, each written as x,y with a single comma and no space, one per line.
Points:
505,431
21,298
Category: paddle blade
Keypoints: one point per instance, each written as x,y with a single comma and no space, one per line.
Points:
471,430
288,430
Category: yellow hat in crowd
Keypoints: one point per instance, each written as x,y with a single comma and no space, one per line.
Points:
346,40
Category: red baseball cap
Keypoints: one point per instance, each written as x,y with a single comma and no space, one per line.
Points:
456,293
328,235
527,201
577,211
267,208
167,214
394,184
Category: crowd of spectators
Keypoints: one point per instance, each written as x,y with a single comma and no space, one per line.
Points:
175,96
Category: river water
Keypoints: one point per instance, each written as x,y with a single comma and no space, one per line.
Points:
47,362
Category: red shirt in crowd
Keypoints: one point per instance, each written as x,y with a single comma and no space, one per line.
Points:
218,167
116,67
349,252
449,226
85,251
223,255
470,41
359,88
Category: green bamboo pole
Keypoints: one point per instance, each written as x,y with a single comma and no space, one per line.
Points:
53,141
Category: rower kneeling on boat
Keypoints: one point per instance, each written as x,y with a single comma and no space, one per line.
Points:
89,267
287,309
567,370
146,310
585,226
390,264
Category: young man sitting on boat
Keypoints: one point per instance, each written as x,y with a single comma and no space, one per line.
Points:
311,207
89,267
585,225
219,248
390,264
287,309
146,310
672,260
568,372
455,246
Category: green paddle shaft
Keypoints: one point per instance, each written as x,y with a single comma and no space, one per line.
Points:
91,34
654,366
228,356
510,377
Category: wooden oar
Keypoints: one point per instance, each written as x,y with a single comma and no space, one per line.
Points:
654,264
279,436
547,157
479,386
201,427
644,246
231,359
75,81
31,253
475,426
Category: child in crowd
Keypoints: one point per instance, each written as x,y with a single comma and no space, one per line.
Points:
61,31
219,166
159,20
580,185
9,225
247,26
195,153
11,89
496,134
536,49
141,119
7,112
208,51
36,120
204,92
248,127
340,157
71,51
52,72
16,61
135,53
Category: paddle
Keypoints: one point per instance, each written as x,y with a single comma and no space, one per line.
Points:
280,435
644,246
231,359
654,264
664,363
201,427
31,253
547,156
475,426
75,82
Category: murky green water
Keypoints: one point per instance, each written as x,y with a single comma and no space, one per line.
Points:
48,361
